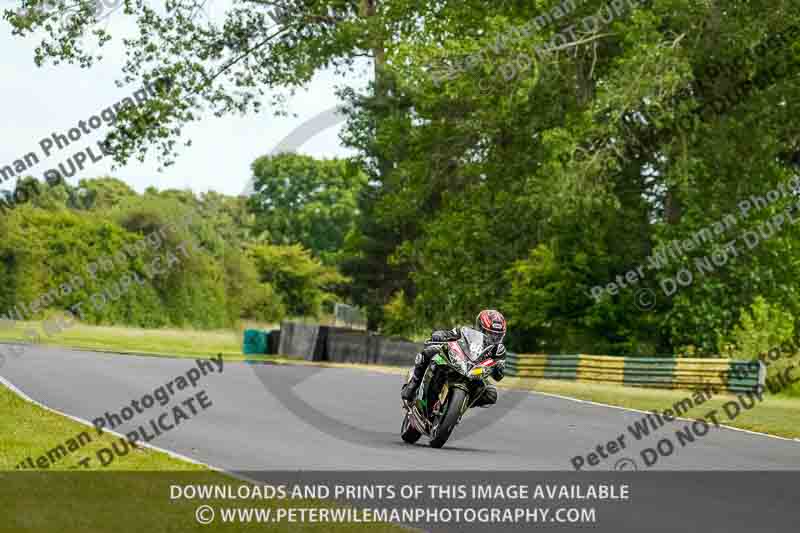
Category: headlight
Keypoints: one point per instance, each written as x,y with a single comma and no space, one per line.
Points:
476,372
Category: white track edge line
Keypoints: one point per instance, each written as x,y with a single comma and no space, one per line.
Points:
13,388
171,453
725,426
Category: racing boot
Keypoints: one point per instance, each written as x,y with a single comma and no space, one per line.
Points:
489,397
410,388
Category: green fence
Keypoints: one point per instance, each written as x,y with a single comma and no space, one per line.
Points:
660,372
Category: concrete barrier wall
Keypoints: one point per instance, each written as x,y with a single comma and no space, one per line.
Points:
393,352
354,346
343,345
666,372
301,340
347,346
274,346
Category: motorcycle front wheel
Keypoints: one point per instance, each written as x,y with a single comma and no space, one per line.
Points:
446,422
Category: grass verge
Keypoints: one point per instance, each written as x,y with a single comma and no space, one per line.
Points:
132,494
776,415
30,431
176,342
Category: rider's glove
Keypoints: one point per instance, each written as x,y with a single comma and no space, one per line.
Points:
499,370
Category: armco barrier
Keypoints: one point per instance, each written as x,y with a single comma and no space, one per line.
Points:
659,372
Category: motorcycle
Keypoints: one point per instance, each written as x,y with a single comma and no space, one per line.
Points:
453,382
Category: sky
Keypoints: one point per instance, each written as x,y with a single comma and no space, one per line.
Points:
37,102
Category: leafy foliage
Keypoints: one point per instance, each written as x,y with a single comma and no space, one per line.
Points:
80,253
298,199
304,283
763,327
479,189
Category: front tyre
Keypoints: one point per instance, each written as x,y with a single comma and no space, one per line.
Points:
408,432
446,423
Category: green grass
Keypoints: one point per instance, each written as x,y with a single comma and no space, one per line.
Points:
131,495
776,415
30,431
156,342
124,339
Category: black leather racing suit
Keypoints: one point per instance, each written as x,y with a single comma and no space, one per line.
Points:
432,347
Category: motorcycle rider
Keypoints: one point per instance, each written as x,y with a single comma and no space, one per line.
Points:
493,326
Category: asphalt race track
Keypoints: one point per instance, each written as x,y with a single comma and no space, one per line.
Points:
271,417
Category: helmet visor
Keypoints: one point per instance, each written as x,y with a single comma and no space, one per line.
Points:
493,337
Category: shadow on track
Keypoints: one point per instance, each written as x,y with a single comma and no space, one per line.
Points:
282,386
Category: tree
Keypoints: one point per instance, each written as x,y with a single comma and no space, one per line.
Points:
522,186
305,285
225,67
299,199
101,193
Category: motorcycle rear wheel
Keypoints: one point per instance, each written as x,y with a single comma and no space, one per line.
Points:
447,422
408,432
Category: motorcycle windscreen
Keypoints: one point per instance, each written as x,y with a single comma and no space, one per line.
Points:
458,355
472,342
